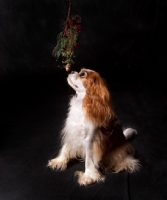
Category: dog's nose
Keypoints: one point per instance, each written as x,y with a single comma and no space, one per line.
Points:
74,72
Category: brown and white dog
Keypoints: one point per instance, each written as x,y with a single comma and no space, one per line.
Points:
92,131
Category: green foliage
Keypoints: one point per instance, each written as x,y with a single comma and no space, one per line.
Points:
67,40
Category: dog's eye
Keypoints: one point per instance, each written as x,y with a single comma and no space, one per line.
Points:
82,74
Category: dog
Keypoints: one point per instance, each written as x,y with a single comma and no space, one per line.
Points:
92,131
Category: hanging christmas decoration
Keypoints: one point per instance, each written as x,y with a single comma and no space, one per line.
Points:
67,40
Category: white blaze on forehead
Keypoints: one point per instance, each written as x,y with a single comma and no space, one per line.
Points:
89,70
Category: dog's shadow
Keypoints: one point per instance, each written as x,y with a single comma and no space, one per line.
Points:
74,162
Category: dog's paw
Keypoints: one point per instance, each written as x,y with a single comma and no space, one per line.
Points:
57,163
88,178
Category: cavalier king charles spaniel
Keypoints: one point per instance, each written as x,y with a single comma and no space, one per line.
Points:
93,133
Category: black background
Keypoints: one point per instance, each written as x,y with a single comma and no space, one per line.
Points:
125,41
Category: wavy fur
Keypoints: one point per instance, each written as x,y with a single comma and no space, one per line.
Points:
97,101
93,133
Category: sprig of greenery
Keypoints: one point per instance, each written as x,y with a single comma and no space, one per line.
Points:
67,40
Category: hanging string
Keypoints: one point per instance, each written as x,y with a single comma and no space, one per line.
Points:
69,10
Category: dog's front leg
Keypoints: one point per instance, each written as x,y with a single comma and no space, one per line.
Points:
91,173
60,162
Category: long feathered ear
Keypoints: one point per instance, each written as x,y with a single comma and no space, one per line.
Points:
97,101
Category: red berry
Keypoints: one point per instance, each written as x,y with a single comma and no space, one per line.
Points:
76,45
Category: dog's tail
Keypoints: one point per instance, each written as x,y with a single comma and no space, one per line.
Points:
129,132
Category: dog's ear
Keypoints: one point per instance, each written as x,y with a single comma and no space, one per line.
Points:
98,100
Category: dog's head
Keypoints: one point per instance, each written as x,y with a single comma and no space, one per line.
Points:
85,80
96,94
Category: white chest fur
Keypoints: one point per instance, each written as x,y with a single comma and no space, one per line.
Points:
76,128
